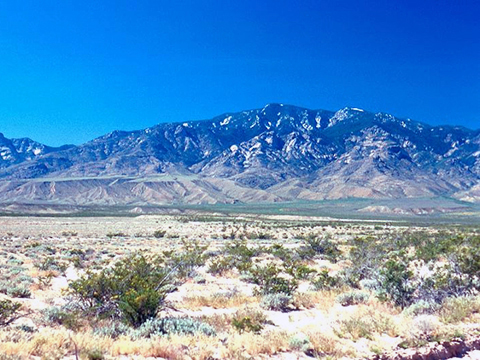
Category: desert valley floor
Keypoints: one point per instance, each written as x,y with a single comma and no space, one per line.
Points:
237,287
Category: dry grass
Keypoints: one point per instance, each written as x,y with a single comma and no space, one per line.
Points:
365,323
174,347
59,343
220,322
326,343
217,301
322,300
249,344
459,309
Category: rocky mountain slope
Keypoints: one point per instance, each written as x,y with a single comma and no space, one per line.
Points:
277,153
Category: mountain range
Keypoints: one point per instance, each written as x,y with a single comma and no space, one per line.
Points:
277,153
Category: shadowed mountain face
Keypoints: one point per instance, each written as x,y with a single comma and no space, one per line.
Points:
277,153
16,151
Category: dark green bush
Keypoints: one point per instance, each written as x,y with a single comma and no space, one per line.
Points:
298,270
133,289
159,234
8,311
236,255
51,263
396,282
246,324
323,281
271,280
185,260
249,320
317,246
279,251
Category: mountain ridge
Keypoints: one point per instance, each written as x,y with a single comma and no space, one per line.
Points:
276,153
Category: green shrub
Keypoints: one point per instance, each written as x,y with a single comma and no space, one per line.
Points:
270,280
19,292
249,320
93,354
246,324
315,246
366,256
396,282
353,298
356,328
370,284
364,325
276,302
298,270
185,260
323,281
171,325
199,279
112,330
159,234
220,265
420,308
236,255
50,263
26,328
8,311
116,234
134,288
279,251
69,233
139,305
300,343
61,316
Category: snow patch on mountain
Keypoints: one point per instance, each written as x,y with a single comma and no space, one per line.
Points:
226,121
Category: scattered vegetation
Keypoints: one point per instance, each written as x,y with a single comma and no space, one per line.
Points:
219,287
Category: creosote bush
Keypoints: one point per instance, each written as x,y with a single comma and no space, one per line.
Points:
323,281
396,281
272,280
318,246
8,311
409,267
236,255
133,289
185,260
249,320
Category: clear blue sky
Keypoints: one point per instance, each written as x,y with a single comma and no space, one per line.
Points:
74,70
